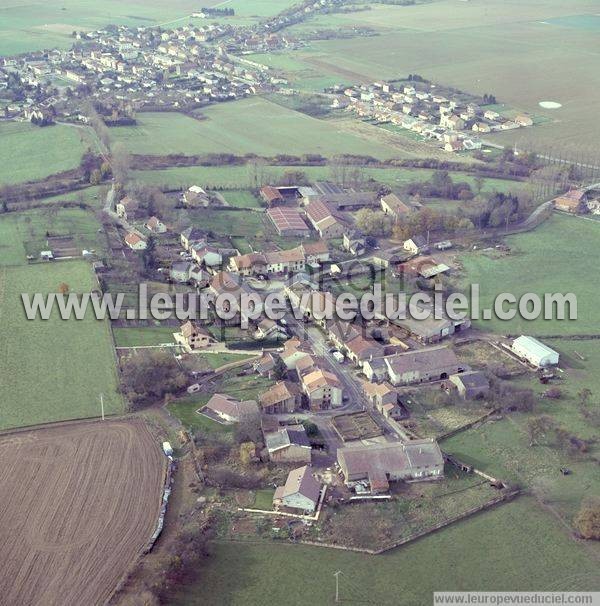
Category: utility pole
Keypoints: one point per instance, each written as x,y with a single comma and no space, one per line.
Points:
337,585
102,405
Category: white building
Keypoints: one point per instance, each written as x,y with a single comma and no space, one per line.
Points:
534,352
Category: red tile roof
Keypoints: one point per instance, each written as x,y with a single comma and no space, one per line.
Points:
286,219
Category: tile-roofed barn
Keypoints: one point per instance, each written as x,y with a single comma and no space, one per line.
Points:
323,220
288,221
271,195
282,397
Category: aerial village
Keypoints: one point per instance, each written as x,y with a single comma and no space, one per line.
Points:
336,411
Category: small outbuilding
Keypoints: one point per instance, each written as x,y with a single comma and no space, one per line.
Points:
471,384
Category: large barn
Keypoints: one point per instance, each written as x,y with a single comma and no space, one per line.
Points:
534,352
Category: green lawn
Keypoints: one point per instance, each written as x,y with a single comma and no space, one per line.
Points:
52,370
185,410
235,177
513,547
252,125
29,153
92,196
242,199
547,260
229,222
263,499
151,335
216,360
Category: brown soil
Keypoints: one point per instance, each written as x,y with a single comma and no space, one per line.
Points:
80,502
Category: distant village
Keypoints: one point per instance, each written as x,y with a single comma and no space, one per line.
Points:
454,120
124,69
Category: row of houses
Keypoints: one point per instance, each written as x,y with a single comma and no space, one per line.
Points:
280,261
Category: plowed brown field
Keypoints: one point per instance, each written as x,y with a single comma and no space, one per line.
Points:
78,504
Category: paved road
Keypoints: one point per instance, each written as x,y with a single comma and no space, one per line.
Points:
344,372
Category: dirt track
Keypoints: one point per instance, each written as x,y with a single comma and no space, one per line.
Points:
79,503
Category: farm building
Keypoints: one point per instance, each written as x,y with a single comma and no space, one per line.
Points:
534,352
271,195
471,384
269,329
135,241
231,410
128,208
289,445
155,225
195,196
202,253
375,370
323,220
266,365
380,464
423,365
191,236
294,350
395,207
315,252
288,221
301,492
193,337
424,267
282,397
571,202
354,243
416,245
323,389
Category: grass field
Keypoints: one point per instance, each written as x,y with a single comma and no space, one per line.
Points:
29,152
92,196
542,261
242,177
242,199
513,547
502,448
252,125
263,499
26,233
24,27
56,369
